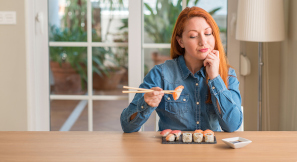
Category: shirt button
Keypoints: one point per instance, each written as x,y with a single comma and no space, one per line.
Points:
168,98
142,107
213,87
184,99
196,84
197,103
197,122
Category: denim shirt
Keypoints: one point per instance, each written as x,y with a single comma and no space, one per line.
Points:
190,111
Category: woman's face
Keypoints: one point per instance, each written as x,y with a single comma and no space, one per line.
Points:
197,39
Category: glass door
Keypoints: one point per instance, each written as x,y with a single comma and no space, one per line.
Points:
90,60
88,53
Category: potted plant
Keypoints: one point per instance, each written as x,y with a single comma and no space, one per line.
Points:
69,64
115,60
107,73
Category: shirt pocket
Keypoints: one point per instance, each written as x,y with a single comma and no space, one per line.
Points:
179,106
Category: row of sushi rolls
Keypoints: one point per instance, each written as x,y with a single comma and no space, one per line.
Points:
197,136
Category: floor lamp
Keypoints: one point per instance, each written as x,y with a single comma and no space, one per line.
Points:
260,21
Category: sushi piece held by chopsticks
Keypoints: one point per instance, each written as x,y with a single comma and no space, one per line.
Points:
178,90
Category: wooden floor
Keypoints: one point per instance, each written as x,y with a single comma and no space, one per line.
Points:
106,114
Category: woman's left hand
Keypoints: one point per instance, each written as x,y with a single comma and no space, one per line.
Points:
212,63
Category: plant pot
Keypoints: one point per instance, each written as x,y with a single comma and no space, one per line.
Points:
67,80
124,79
108,82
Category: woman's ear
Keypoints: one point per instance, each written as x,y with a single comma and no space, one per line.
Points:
180,41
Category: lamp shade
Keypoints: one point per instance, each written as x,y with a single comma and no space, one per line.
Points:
260,20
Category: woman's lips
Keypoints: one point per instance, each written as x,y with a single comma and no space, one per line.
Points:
203,50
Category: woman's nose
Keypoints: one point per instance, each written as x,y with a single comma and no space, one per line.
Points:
202,41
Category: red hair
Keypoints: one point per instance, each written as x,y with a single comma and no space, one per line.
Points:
177,50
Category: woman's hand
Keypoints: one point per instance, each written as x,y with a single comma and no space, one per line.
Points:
212,63
154,98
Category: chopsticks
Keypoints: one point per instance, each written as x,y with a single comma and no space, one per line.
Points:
143,90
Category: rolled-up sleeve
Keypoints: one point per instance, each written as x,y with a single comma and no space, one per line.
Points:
229,100
138,105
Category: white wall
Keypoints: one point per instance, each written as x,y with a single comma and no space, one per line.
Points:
13,101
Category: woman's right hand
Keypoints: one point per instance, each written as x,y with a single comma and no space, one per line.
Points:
154,98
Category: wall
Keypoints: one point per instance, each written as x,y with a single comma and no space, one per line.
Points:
251,86
288,111
13,104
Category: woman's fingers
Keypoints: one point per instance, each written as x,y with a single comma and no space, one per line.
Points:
213,55
217,53
154,98
208,62
157,91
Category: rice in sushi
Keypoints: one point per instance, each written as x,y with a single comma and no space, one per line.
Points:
170,137
198,137
187,137
209,137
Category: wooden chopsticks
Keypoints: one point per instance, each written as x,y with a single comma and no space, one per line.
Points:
143,90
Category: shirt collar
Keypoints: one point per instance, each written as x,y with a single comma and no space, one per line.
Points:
184,69
202,71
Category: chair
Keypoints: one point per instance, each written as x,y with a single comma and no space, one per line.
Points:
241,128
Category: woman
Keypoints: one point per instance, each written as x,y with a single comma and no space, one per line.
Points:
210,99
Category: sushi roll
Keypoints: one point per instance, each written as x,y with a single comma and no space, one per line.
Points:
198,131
207,131
198,137
177,134
187,137
209,137
170,137
165,132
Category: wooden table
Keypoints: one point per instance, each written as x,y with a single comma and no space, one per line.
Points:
141,146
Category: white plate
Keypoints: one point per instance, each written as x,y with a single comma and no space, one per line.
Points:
236,142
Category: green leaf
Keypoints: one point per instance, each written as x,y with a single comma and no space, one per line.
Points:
98,61
196,1
214,10
95,69
150,9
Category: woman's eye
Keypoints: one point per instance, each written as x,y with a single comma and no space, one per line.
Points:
208,34
192,36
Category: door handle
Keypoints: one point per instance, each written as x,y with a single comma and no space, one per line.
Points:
39,18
